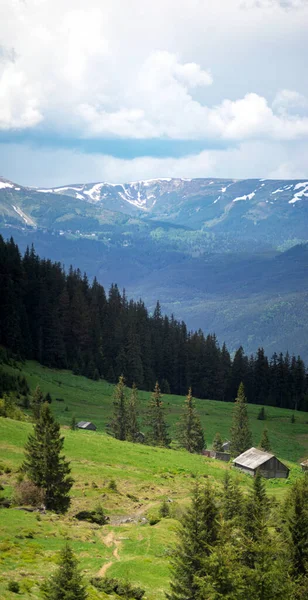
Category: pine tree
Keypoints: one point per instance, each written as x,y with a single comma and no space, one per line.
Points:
265,442
119,421
44,464
241,438
158,428
217,443
73,423
37,402
190,434
298,527
261,414
66,583
132,416
197,536
233,501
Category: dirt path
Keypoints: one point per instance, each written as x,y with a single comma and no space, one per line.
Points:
109,541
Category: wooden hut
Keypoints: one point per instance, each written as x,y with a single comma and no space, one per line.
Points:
86,425
268,465
304,465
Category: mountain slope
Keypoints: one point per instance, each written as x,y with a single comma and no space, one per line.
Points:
209,249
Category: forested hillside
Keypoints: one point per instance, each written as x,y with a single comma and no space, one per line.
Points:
63,321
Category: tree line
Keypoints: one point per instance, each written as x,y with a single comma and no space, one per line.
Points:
64,321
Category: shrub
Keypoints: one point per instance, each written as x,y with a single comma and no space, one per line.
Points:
116,586
27,492
93,516
112,486
13,586
164,510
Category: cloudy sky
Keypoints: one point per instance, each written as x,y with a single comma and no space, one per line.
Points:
120,90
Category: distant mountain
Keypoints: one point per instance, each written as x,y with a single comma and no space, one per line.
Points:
212,250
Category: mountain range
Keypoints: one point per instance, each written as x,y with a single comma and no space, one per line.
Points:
225,255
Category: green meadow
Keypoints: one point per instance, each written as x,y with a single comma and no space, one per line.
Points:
135,545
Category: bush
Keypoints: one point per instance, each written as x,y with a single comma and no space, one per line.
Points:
93,516
164,510
112,486
116,586
13,586
27,493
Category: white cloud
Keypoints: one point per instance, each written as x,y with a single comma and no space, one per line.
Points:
191,70
19,105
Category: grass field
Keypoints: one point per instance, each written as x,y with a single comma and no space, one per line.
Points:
129,547
92,401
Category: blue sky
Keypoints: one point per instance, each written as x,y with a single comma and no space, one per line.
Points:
119,91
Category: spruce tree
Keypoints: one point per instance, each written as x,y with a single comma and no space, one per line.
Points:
197,536
119,421
158,428
190,434
217,443
44,464
132,416
233,501
298,527
265,442
66,583
241,439
37,402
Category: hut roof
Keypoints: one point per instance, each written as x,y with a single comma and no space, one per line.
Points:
253,458
304,463
84,424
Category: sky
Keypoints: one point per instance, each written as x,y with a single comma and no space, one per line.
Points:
120,90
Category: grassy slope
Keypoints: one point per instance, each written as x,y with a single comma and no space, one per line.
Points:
90,400
135,550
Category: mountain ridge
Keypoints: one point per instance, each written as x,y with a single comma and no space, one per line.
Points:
217,263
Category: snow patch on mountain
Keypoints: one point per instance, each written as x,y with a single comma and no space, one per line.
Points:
246,197
5,184
301,193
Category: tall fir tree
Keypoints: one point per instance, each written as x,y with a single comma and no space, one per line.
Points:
44,464
190,432
66,583
158,428
119,420
197,536
241,438
132,416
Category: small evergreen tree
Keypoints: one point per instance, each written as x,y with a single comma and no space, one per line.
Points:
119,421
132,416
44,464
48,398
190,434
241,438
217,443
158,428
233,501
197,536
37,402
73,423
265,442
261,414
66,583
